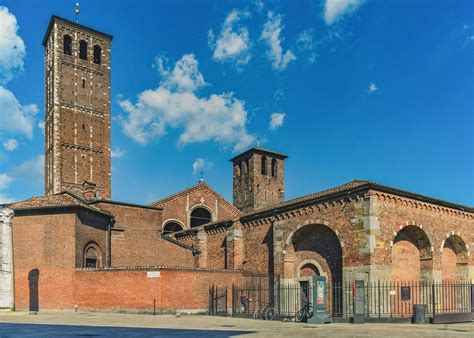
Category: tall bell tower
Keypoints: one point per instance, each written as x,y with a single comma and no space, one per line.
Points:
77,108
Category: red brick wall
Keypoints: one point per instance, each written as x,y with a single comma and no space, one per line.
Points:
46,244
179,206
139,242
125,290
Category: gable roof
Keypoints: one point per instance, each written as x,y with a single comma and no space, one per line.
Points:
201,184
60,200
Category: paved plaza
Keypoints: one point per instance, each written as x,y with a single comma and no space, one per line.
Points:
60,324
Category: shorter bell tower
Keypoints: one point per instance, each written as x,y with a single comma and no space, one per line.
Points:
259,179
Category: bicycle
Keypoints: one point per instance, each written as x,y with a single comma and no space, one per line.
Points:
305,312
264,311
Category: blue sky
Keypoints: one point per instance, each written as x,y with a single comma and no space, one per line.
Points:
349,89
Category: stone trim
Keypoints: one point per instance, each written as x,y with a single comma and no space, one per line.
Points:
407,202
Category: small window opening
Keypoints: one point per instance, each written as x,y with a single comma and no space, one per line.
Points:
83,50
67,45
83,127
97,56
92,257
171,227
83,83
274,167
264,165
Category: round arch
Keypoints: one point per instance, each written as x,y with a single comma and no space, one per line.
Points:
92,255
200,214
170,226
454,258
411,255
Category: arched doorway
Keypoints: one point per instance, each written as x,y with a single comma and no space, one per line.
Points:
200,216
315,249
412,257
454,259
92,256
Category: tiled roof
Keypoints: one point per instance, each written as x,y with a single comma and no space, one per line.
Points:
258,150
356,185
60,200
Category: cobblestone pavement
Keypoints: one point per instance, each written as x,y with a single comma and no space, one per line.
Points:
60,324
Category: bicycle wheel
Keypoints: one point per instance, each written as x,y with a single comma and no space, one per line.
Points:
257,314
269,313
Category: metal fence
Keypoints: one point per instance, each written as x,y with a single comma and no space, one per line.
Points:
382,299
217,301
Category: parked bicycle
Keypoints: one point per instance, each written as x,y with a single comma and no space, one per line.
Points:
305,312
264,311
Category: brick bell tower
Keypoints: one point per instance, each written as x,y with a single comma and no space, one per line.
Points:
77,108
259,179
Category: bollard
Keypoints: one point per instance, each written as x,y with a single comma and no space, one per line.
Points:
359,302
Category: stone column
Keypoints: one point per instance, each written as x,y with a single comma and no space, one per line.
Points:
7,299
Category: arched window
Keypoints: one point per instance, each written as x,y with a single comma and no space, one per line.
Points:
274,167
67,45
83,50
244,168
171,227
264,165
92,256
97,52
200,216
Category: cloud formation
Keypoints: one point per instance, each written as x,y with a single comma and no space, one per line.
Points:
116,153
31,170
14,117
334,10
12,47
276,121
233,42
10,144
176,104
5,181
201,164
271,35
372,88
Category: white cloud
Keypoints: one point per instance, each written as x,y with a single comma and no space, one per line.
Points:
10,144
306,44
175,104
14,117
305,40
276,121
201,164
336,9
4,199
5,181
12,47
185,76
116,153
41,126
372,88
233,43
271,35
30,170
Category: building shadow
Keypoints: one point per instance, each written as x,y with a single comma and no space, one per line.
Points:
33,280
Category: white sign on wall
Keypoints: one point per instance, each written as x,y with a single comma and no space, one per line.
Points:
153,274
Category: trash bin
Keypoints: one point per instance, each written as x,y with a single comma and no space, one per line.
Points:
419,314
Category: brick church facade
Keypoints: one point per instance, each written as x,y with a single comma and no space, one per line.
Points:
75,247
